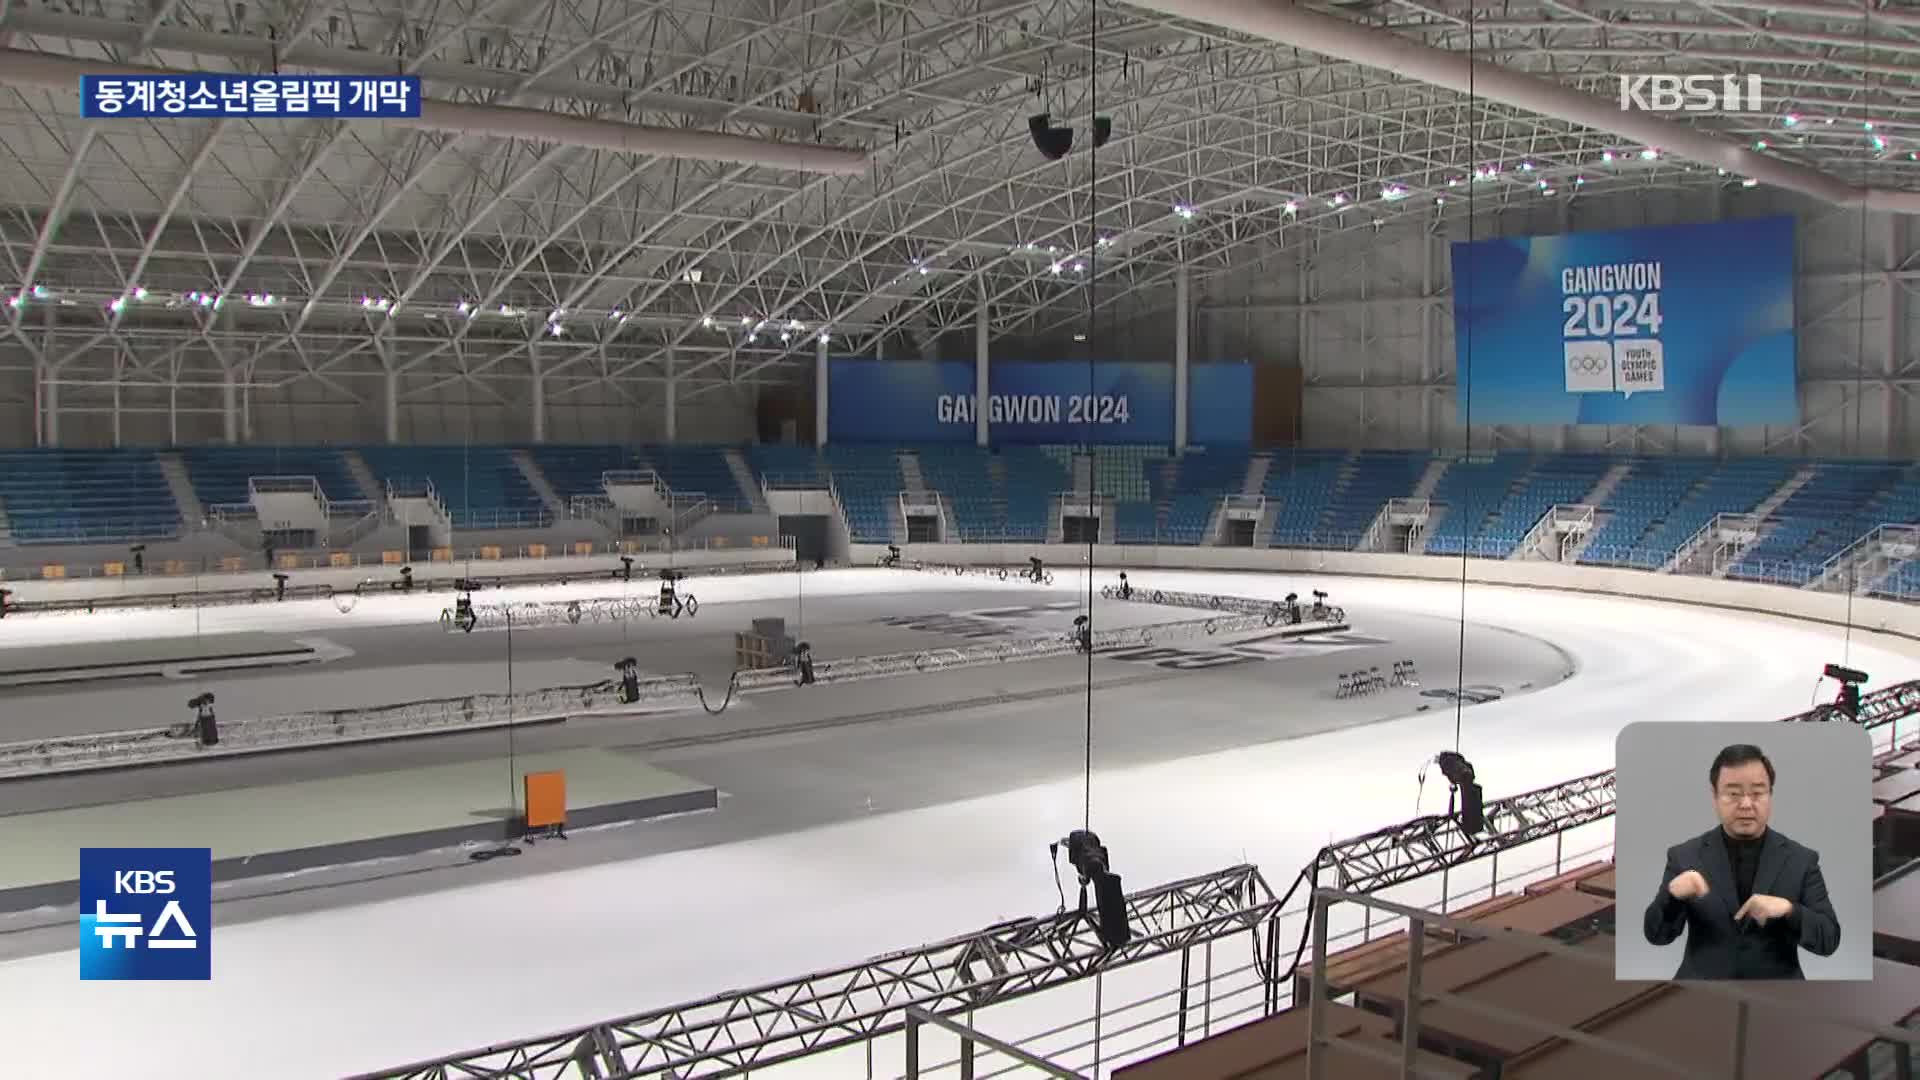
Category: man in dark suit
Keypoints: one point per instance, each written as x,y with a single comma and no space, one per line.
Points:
1747,897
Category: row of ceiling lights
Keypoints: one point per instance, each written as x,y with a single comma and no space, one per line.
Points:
556,319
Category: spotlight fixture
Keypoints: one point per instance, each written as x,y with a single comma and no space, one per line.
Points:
405,584
1083,633
803,660
206,725
1461,784
1089,859
1848,700
279,587
4,595
139,554
1052,142
625,573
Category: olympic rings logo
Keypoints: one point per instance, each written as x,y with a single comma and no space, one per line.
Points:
1587,364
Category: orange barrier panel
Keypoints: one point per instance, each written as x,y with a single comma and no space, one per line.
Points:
536,551
340,558
174,566
583,547
393,558
288,562
233,564
53,570
114,569
720,541
761,541
490,552
444,554
546,799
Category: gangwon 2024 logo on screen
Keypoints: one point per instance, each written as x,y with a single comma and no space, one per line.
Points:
146,914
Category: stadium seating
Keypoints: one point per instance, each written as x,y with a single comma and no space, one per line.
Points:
963,475
1646,496
1736,487
691,470
1200,481
1472,490
781,465
576,470
1303,483
481,486
1030,483
86,496
1835,507
220,473
1374,476
1552,481
869,481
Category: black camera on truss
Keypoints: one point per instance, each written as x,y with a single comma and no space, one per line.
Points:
1089,859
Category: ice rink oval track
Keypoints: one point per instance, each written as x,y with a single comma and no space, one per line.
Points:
411,966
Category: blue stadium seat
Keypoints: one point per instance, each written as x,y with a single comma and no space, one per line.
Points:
220,474
869,482
1200,480
86,496
701,470
963,475
481,486
576,470
1303,483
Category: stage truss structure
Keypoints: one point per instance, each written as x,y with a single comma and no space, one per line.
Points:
733,1033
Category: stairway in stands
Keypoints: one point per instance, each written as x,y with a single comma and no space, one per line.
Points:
371,489
537,480
181,485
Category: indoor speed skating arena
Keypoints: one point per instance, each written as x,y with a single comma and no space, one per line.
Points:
1168,540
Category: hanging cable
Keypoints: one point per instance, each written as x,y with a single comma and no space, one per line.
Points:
1860,340
1086,429
1463,393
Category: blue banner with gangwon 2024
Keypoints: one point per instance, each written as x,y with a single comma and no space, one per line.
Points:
908,402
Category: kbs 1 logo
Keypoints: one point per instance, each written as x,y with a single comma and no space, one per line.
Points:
1691,93
146,914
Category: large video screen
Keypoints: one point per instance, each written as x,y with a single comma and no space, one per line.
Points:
906,402
1684,324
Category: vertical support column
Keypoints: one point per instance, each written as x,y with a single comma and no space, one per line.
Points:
119,364
537,416
173,410
392,402
1562,431
1893,319
1317,1002
982,346
52,396
1303,333
1182,340
1410,1018
672,417
820,410
1429,368
40,402
230,407
50,400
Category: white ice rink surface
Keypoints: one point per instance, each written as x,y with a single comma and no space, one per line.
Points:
332,992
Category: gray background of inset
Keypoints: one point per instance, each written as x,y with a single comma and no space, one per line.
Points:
1821,799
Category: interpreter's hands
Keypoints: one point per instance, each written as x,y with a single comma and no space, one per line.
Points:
1764,909
1690,885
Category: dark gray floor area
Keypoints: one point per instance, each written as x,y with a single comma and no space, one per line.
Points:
808,757
392,664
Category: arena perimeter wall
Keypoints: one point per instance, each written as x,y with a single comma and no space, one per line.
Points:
1809,605
345,578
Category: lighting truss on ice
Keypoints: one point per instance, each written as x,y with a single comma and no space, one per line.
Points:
758,1028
